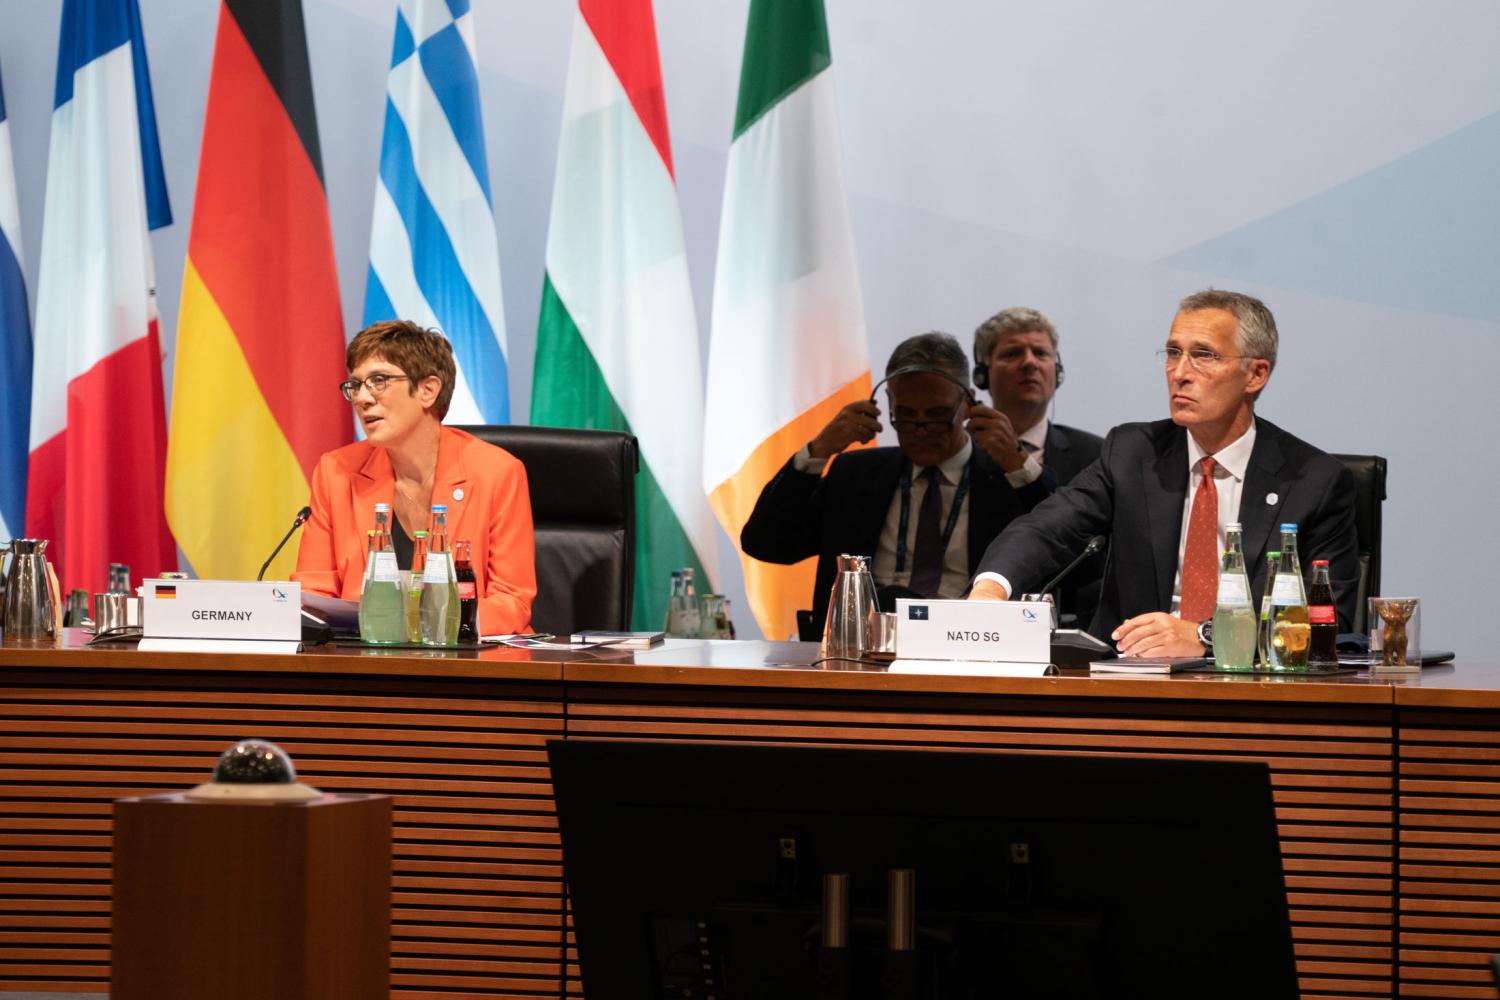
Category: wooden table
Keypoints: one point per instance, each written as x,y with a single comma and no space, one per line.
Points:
1388,794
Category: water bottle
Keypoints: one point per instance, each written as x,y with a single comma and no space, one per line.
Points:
414,587
439,608
1290,632
1234,614
381,603
1263,635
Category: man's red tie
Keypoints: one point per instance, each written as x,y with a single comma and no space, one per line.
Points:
1200,559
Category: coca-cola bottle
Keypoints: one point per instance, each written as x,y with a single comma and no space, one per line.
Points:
1322,648
468,593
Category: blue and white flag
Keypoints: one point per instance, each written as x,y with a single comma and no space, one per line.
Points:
15,349
434,257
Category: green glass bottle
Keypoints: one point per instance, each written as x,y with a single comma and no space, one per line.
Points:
440,608
381,603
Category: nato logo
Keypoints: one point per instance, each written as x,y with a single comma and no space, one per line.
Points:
917,612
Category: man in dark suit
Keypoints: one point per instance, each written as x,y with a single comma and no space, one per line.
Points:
1016,358
1163,493
925,511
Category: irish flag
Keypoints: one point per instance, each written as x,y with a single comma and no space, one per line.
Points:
617,344
260,338
788,336
98,419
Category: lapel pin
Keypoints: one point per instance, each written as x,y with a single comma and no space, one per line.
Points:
458,493
1272,499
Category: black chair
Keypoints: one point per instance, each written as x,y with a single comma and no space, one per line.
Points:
1369,489
583,506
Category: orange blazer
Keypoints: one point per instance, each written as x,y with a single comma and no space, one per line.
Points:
488,503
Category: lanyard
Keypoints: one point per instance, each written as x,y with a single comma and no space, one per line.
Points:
958,499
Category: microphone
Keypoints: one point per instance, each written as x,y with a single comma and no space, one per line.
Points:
302,516
1095,544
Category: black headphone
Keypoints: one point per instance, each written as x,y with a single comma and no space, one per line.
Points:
982,370
925,370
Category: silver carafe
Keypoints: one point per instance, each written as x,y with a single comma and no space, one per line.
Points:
851,628
29,615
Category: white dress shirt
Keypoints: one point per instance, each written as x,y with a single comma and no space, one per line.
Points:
955,581
1230,463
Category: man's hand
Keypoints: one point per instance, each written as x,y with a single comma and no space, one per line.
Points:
858,421
1157,634
996,437
988,590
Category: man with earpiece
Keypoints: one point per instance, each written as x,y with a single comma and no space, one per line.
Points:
1016,359
925,510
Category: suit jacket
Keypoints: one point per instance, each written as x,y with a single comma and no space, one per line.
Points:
1135,495
488,503
802,514
1069,451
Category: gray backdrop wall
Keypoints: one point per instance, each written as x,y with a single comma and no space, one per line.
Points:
1096,160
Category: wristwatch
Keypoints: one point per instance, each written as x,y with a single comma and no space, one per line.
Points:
1206,635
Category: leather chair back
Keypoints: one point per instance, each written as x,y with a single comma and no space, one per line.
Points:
1369,486
582,485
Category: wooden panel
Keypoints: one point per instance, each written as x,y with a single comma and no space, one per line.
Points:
1449,850
1331,771
477,868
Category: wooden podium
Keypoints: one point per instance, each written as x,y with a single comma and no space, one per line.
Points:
252,900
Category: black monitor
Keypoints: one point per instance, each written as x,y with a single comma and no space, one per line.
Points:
739,871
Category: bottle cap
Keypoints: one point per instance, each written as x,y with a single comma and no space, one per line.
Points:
1288,527
1320,562
382,506
440,508
419,534
1232,526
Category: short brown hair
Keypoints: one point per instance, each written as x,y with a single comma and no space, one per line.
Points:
417,351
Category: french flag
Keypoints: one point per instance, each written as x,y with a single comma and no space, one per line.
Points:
98,419
15,349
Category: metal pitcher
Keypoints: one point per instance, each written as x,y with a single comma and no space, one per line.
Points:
851,629
29,614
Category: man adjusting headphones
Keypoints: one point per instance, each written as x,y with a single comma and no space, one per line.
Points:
1016,359
924,510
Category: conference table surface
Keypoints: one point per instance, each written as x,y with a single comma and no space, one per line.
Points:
1387,790
791,665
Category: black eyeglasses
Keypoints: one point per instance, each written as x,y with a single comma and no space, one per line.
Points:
377,384
906,425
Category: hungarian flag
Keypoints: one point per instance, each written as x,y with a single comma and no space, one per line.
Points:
617,344
787,349
260,341
98,423
15,349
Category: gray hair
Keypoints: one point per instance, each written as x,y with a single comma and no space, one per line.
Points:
931,350
1016,319
1255,327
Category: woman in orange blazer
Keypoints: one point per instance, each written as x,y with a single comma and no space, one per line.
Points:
401,381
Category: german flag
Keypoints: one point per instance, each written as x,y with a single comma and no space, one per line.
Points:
260,335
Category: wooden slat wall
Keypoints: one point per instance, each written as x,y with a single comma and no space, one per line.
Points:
1331,769
477,867
1449,845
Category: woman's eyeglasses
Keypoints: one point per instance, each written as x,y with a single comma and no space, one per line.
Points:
376,383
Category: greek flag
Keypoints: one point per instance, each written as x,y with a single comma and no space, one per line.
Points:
434,258
15,349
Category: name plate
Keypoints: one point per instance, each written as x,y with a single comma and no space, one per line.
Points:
991,631
235,610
